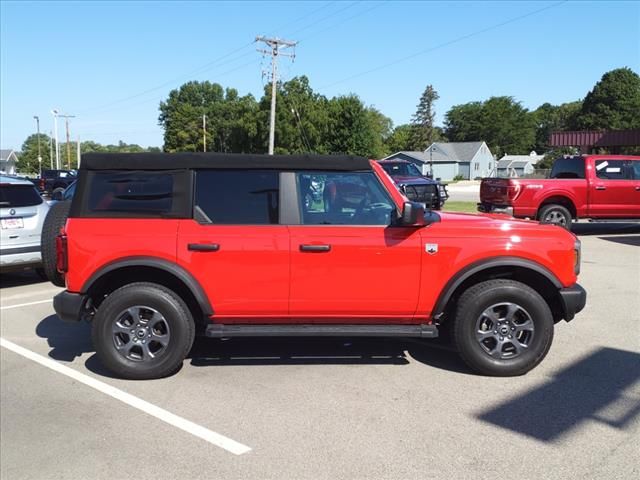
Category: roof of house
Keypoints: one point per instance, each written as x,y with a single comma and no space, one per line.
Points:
453,151
5,154
175,161
533,157
420,156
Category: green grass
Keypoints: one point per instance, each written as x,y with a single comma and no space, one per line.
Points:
465,207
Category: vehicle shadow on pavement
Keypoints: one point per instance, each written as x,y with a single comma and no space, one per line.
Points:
596,228
322,351
18,279
67,342
591,389
633,240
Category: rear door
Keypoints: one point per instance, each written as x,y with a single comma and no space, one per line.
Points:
634,166
235,246
348,264
612,192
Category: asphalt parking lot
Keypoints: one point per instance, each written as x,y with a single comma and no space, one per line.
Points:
330,408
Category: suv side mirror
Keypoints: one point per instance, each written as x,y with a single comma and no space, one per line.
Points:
57,195
413,214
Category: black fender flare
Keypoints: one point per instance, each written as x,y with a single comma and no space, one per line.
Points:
170,267
454,282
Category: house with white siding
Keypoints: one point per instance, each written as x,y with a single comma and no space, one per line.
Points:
8,161
445,161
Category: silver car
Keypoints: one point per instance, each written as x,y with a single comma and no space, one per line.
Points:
22,214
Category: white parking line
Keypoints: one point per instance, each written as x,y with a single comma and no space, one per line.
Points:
194,429
31,294
9,307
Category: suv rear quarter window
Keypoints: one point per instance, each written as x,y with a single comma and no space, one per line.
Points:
134,194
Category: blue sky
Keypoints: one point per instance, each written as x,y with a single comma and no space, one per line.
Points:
110,63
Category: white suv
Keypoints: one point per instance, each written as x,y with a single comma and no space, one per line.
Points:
22,214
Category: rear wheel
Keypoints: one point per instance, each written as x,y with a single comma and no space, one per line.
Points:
53,222
556,215
143,331
502,328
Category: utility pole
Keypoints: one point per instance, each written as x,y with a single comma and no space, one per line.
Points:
66,124
54,112
204,132
51,149
275,44
37,119
78,152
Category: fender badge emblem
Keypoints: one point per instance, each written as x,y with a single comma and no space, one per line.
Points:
431,248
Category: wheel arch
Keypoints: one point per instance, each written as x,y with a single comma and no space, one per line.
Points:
559,199
525,271
149,269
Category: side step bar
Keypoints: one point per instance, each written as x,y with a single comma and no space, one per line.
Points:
316,330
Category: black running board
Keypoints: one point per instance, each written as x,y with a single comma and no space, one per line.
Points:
315,330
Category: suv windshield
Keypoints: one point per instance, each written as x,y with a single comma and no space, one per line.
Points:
404,169
12,196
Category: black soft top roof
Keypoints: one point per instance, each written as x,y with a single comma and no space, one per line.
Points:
177,161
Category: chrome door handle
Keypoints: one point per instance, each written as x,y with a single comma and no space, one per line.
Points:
600,187
315,248
203,247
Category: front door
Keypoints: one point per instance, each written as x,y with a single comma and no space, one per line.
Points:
235,247
348,264
612,191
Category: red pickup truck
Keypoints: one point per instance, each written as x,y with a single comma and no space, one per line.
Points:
598,187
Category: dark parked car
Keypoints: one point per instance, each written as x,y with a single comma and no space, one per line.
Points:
56,180
414,185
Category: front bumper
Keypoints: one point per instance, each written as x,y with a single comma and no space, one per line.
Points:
490,208
573,300
69,306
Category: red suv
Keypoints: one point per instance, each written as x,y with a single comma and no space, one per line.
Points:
158,247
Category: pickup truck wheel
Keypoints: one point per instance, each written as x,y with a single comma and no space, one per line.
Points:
556,215
502,328
143,331
53,222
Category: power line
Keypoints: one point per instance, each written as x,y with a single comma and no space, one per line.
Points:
442,45
322,19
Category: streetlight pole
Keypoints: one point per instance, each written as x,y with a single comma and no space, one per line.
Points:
54,112
39,152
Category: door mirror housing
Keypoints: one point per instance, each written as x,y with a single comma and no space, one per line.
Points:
413,214
57,195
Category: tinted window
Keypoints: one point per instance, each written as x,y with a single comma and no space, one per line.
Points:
611,169
568,167
135,193
355,198
635,165
12,196
236,197
402,169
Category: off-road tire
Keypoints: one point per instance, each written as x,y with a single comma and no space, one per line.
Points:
476,300
173,310
53,222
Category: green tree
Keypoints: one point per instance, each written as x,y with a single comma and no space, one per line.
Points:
613,103
230,125
549,118
400,138
28,156
502,122
423,132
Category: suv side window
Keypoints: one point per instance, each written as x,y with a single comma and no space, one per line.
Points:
237,197
130,194
611,170
353,198
635,165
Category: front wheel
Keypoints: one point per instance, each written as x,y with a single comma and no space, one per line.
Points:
502,328
143,331
555,215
